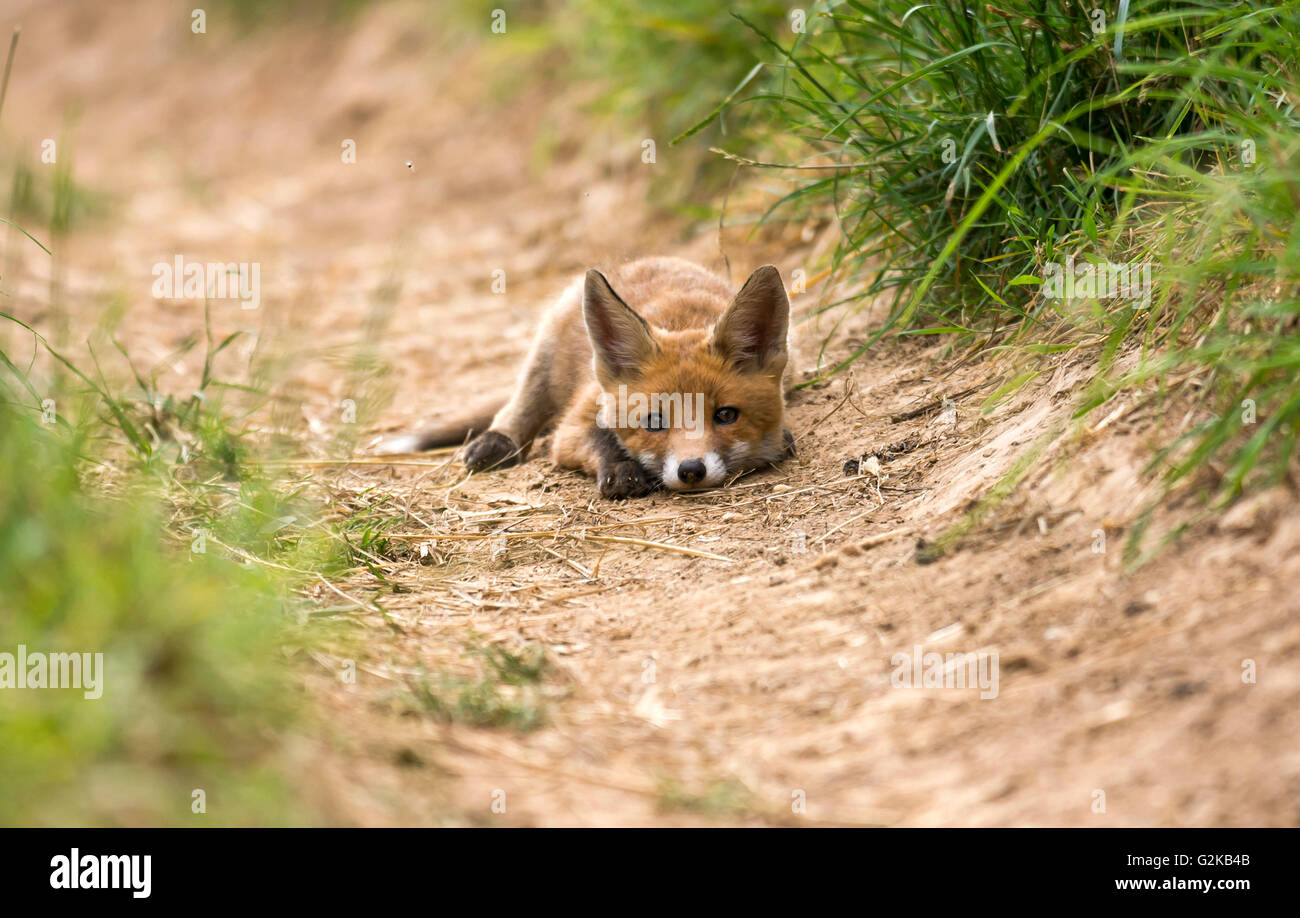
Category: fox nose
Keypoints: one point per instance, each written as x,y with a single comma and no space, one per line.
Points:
691,471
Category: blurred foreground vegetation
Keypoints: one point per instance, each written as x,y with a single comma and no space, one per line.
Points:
194,688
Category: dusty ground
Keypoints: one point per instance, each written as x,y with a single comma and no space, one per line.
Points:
681,689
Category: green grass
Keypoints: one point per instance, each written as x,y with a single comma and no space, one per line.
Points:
726,798
651,58
251,13
972,146
139,524
134,530
48,195
646,70
507,691
194,689
144,524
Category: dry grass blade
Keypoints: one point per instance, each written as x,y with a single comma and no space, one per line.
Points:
664,546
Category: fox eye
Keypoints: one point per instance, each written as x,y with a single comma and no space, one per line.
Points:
654,423
726,415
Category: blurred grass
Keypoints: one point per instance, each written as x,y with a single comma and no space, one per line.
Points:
652,60
143,525
636,70
194,685
51,198
506,690
252,13
725,798
126,516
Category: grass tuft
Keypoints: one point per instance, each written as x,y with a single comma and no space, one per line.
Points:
968,153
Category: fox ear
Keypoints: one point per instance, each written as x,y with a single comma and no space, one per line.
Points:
620,339
752,332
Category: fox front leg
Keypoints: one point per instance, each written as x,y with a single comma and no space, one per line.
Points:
598,452
617,475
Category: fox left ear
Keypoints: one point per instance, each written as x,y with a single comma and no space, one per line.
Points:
620,339
752,332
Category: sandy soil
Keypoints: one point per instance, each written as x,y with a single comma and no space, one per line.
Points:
681,689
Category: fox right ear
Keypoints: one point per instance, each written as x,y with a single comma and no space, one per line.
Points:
620,339
752,332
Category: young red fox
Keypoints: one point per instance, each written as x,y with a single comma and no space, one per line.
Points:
683,388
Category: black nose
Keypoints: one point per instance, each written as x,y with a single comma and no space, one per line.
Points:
691,471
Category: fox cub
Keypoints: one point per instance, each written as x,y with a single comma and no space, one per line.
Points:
674,383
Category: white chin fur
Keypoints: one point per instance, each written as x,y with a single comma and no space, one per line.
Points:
715,473
669,474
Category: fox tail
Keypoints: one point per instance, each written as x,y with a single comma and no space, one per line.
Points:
452,432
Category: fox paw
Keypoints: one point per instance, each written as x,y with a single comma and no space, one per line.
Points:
491,450
790,451
624,479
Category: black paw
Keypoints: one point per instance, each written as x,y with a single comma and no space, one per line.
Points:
790,451
491,450
624,479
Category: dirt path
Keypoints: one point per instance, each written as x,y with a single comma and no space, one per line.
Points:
680,689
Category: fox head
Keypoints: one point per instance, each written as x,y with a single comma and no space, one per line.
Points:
693,406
